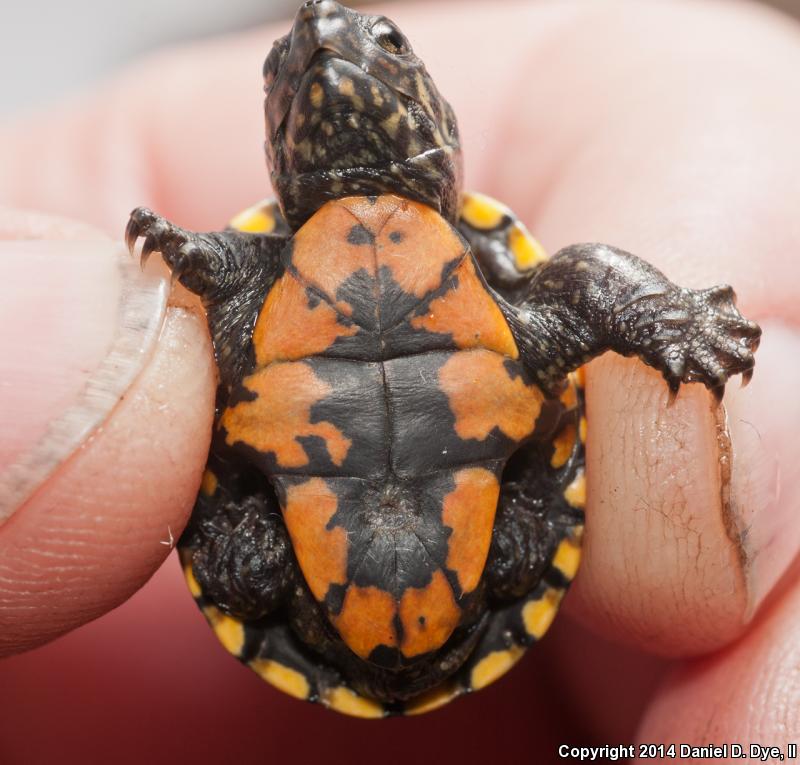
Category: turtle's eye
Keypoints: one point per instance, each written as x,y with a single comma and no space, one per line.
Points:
390,38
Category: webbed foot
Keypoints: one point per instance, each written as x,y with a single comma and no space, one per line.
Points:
695,336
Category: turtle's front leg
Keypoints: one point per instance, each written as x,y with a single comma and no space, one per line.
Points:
215,265
230,270
590,298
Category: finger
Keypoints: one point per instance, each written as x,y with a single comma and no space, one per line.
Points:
104,425
746,694
693,167
180,132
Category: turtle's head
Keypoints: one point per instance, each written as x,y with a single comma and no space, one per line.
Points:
351,110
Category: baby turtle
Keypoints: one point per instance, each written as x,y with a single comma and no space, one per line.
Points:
393,504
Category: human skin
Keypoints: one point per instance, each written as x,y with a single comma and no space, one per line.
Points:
662,129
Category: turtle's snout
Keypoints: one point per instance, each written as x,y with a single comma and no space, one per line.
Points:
312,8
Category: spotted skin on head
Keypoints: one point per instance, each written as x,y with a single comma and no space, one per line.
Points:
351,110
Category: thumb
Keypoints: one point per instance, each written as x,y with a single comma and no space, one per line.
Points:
105,412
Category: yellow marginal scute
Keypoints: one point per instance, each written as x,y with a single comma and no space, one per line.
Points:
575,493
564,442
527,252
567,558
538,615
342,699
209,483
229,631
282,677
570,396
482,212
257,219
493,666
192,583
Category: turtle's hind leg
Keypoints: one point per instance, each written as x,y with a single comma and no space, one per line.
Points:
236,544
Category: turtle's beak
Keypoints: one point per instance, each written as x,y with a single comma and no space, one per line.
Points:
318,25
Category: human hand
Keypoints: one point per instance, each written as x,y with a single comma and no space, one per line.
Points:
662,130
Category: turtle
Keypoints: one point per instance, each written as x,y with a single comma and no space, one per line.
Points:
393,503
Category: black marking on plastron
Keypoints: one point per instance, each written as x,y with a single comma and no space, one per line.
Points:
399,307
358,295
334,597
313,300
549,421
422,410
241,394
403,679
401,338
399,630
360,235
515,371
359,292
384,656
357,407
320,461
395,302
394,540
265,462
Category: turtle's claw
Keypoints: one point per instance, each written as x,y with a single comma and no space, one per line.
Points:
180,263
721,295
149,246
131,234
159,234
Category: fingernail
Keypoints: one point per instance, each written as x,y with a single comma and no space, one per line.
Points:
78,322
764,495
